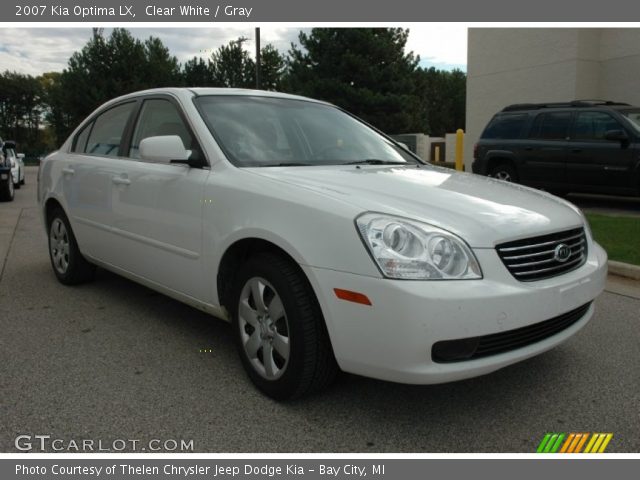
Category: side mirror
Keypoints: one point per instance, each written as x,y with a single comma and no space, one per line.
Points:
20,155
616,135
164,149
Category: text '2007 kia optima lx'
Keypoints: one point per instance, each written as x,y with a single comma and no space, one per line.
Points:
326,244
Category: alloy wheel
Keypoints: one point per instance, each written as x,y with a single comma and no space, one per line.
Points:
503,175
264,328
59,245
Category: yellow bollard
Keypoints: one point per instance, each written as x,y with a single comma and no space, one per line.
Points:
436,153
459,149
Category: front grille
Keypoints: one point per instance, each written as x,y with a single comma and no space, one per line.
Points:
537,257
477,347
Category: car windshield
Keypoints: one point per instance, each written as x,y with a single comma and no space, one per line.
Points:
634,118
266,131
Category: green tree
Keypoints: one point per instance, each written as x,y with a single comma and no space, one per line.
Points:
109,67
160,67
231,66
442,99
56,115
21,107
364,70
197,73
272,68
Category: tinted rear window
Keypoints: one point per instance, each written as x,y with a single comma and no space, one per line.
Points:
551,126
505,127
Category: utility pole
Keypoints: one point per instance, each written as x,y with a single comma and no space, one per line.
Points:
258,86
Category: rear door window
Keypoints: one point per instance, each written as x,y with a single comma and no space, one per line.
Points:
81,139
551,126
108,130
505,127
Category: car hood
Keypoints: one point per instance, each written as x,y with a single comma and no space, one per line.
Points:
483,211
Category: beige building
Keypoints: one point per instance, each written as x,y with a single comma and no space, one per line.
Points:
521,65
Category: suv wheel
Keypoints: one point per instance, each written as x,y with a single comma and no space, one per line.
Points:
68,263
504,171
279,329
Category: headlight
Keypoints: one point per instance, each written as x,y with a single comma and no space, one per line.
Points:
410,250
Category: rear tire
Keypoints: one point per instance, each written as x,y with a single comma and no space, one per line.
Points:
69,266
7,191
504,171
279,329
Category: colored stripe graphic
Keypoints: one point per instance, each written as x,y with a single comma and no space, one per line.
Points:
581,443
574,443
565,447
598,442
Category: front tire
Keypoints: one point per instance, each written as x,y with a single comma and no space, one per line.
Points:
279,329
69,266
504,171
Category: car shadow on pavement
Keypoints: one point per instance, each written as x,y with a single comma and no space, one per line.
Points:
378,410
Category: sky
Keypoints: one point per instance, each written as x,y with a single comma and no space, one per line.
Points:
38,50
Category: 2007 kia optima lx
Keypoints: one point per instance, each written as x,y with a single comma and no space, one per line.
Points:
327,245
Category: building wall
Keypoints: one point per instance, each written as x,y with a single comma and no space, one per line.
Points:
520,65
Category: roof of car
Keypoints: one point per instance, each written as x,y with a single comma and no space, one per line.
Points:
199,91
571,104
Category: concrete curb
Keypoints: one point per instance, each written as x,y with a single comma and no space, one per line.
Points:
624,270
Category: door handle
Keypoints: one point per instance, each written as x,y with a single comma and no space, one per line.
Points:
68,171
121,181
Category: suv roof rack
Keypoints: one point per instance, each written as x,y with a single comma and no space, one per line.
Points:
571,104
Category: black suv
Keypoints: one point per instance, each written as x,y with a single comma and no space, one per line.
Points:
580,146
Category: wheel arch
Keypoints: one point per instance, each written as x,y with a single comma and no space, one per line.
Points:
499,157
238,251
49,206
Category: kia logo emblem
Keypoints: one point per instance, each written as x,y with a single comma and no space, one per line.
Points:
562,253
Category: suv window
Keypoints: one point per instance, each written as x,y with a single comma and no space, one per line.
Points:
551,126
159,117
634,118
505,127
593,125
108,130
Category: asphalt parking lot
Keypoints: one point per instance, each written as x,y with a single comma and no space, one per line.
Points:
114,360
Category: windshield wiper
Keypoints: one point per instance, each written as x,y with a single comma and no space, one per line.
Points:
375,161
287,164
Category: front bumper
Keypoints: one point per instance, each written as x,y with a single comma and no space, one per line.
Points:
392,339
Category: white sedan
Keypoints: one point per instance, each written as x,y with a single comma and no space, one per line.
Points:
17,164
326,244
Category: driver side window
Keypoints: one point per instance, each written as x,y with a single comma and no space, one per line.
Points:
159,117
